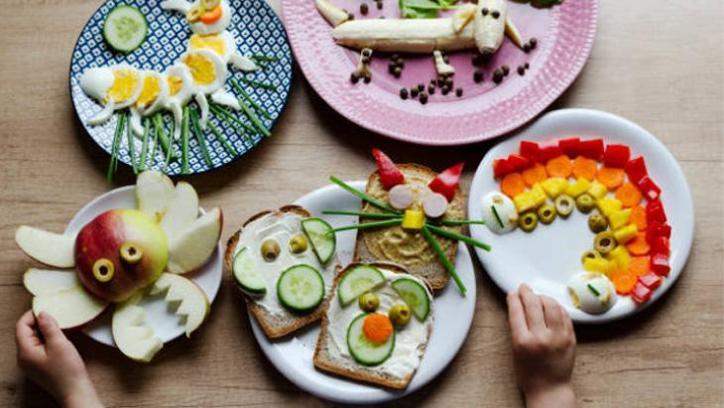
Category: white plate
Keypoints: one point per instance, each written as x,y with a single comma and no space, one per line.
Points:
158,315
293,354
546,258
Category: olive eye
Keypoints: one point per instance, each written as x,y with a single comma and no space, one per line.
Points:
131,253
298,244
270,250
103,270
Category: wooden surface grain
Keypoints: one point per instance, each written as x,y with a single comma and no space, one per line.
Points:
658,63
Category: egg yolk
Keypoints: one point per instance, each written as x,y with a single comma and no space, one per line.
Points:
175,83
125,82
212,42
202,69
149,92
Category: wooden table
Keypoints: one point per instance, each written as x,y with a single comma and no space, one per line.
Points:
657,63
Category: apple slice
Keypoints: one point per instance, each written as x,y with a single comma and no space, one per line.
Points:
182,211
46,281
192,301
132,335
190,249
46,247
154,191
72,307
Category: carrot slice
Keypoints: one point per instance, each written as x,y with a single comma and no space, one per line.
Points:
512,184
377,327
624,281
629,195
610,177
535,174
212,15
638,218
639,265
561,166
638,245
584,168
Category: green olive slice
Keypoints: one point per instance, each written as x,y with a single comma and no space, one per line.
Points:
546,214
585,203
604,242
528,221
564,205
597,223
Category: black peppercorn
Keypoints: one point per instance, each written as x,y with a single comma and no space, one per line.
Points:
498,76
431,89
423,98
478,76
506,70
459,92
521,70
485,11
354,78
495,14
368,78
414,92
363,8
533,43
403,93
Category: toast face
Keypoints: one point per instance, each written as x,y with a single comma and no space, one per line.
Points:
327,356
409,249
279,322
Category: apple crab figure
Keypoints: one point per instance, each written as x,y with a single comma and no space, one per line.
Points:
120,257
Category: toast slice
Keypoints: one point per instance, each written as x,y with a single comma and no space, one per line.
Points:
278,325
368,247
325,360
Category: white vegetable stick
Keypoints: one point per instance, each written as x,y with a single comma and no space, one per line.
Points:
442,67
333,14
512,32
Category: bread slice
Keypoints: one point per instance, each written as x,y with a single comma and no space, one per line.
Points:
326,361
432,271
274,326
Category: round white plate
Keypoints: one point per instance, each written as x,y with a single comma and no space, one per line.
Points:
158,315
293,354
546,258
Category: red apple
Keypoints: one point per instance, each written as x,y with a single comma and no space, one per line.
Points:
119,252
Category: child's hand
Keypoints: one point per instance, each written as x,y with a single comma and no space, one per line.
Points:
51,360
544,348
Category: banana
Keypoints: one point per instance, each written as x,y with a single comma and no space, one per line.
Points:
489,25
442,67
512,32
333,14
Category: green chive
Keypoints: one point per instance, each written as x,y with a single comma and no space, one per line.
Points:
221,138
185,141
453,223
254,119
458,237
593,290
154,149
220,111
144,145
262,85
497,216
362,214
163,137
363,196
114,147
235,84
443,259
264,58
200,137
365,225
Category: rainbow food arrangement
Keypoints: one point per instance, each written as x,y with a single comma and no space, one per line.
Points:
200,75
123,255
630,251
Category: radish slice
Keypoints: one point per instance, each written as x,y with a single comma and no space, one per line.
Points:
400,197
435,205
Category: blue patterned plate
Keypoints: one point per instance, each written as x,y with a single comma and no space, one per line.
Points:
257,30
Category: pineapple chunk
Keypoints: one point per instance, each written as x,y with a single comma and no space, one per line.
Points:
578,187
608,206
620,257
619,218
524,201
554,186
539,196
597,190
599,265
625,234
413,220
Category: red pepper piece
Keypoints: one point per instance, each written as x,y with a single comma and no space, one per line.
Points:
640,293
657,230
501,168
529,150
593,149
660,245
636,169
390,174
616,155
549,152
648,188
571,146
655,212
650,280
660,264
518,162
446,183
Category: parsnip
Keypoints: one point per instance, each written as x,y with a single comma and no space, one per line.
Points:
333,14
489,25
442,67
512,32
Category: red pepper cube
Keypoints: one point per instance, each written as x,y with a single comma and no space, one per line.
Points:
529,150
570,147
636,169
616,155
640,293
549,152
593,149
446,183
648,188
390,174
655,212
660,245
657,230
501,168
660,264
650,280
518,162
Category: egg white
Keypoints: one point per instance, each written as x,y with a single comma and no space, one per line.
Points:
584,298
506,210
138,111
175,103
96,82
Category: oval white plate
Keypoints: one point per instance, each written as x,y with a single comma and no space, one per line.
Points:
293,354
158,314
546,258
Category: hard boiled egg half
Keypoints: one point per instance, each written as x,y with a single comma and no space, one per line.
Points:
499,213
592,292
152,98
222,44
115,87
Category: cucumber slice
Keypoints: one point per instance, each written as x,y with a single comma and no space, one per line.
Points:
357,281
415,295
246,274
364,351
300,288
323,240
125,28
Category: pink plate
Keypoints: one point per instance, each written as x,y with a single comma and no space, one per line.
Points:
565,36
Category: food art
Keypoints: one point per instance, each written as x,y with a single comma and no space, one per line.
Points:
122,256
630,251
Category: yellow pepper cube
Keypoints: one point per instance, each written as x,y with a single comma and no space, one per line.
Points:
413,220
539,195
597,190
554,186
599,265
620,257
625,234
619,218
524,201
608,206
578,187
